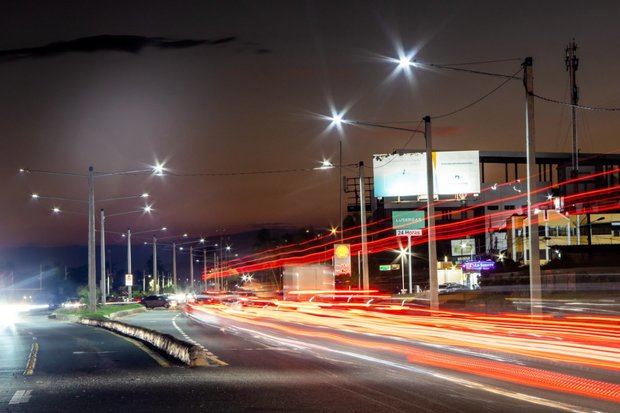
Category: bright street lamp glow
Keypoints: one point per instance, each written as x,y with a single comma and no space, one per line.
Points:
404,62
202,240
158,169
185,235
56,210
164,228
228,248
147,209
325,164
144,195
35,196
333,230
180,248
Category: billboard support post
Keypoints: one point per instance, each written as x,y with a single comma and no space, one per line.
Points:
432,251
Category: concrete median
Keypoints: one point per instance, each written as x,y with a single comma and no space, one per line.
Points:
183,351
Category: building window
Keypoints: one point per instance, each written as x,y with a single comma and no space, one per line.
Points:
509,207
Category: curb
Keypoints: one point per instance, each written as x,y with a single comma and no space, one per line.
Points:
187,353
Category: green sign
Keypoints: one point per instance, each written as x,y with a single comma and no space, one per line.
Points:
408,222
387,267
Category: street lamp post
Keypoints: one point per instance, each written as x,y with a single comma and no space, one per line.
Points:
102,281
191,268
92,272
204,267
174,265
155,278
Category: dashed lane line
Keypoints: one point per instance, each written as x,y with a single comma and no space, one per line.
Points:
210,356
21,396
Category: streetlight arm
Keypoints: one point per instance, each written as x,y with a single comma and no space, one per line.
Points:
130,172
58,198
124,213
45,172
120,198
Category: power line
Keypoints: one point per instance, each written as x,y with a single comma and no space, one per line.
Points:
559,102
480,99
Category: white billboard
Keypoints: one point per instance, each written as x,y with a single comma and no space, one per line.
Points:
465,246
454,172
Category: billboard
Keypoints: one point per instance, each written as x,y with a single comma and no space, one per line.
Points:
454,172
466,246
408,222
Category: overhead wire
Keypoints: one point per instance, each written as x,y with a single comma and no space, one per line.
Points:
584,107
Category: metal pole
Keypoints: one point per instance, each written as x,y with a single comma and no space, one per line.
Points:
402,270
155,277
92,271
365,277
191,268
174,265
204,268
535,278
102,283
341,190
359,271
430,210
572,63
129,258
409,264
215,265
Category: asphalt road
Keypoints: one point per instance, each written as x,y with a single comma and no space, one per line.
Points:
81,368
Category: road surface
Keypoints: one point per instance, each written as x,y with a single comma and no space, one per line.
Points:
81,368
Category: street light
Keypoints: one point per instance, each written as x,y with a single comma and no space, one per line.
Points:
56,210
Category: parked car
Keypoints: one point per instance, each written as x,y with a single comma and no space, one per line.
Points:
154,301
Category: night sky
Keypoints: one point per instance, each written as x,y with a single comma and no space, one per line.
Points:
235,86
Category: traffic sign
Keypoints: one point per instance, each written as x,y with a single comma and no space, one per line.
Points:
128,280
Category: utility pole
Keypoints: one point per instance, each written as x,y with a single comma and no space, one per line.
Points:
174,265
102,283
430,210
365,277
191,268
92,271
535,278
572,63
155,277
341,190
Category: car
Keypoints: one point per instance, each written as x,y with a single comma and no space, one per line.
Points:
451,288
154,301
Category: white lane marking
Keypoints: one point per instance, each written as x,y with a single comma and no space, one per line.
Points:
191,340
463,382
21,396
93,352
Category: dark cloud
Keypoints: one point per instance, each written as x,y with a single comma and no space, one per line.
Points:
106,42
